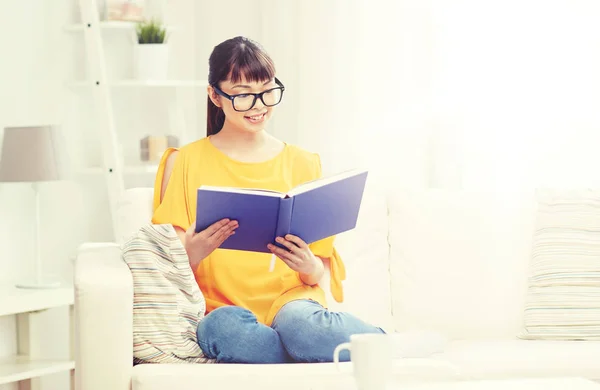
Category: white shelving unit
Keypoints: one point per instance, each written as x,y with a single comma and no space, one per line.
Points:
144,83
113,168
23,368
19,300
127,170
110,25
30,363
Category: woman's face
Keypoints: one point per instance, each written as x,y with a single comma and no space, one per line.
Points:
245,116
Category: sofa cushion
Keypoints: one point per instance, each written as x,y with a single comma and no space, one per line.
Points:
564,286
134,210
459,261
473,359
365,252
295,376
515,358
233,376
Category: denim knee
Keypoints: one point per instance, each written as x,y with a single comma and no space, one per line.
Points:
310,332
232,335
223,323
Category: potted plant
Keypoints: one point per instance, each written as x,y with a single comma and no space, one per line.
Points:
152,59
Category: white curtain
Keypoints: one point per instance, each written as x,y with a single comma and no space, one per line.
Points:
437,93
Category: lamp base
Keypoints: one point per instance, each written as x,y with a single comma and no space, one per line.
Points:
38,286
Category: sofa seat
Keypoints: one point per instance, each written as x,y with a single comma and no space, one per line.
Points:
466,359
276,376
525,358
246,376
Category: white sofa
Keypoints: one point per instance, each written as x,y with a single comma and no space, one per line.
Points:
447,261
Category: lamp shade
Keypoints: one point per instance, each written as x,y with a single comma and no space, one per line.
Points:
31,154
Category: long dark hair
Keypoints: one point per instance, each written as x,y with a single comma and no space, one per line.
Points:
235,58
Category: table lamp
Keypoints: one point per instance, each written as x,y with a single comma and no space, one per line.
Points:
32,154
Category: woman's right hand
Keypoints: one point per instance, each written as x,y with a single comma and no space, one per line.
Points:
199,245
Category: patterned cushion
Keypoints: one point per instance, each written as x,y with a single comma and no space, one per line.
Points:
167,303
563,300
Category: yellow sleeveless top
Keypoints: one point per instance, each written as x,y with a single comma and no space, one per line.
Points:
229,277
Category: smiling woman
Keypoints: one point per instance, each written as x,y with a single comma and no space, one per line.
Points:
240,71
249,308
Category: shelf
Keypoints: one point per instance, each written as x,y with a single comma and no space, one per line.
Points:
128,170
144,83
110,25
18,368
19,300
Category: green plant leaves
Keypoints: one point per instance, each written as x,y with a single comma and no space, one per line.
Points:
150,32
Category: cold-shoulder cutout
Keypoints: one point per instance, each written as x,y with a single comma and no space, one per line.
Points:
163,174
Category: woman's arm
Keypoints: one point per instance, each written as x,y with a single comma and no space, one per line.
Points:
169,164
197,245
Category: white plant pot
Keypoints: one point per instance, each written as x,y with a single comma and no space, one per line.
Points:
152,61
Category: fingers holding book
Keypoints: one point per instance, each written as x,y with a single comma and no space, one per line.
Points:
219,231
295,253
199,245
218,228
293,243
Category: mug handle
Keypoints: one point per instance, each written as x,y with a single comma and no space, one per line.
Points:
336,354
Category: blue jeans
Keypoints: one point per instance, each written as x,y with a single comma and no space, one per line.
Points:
302,331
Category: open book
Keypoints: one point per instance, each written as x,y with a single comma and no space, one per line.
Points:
312,211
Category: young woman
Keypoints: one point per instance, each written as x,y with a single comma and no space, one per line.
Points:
254,316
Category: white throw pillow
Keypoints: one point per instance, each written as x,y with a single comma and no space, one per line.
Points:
134,210
563,300
460,260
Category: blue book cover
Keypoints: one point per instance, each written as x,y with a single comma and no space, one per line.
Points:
312,211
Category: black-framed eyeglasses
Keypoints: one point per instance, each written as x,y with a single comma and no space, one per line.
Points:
245,101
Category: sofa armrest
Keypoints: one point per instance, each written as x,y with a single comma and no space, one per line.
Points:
103,319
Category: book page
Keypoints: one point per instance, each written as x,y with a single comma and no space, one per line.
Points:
324,181
249,191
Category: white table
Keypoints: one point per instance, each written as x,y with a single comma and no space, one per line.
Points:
30,363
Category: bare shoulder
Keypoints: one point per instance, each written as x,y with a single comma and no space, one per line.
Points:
169,164
171,161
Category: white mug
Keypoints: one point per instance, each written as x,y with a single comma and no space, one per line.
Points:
371,356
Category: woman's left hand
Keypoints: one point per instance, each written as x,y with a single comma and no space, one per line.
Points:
298,257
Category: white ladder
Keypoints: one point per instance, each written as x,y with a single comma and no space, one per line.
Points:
112,162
